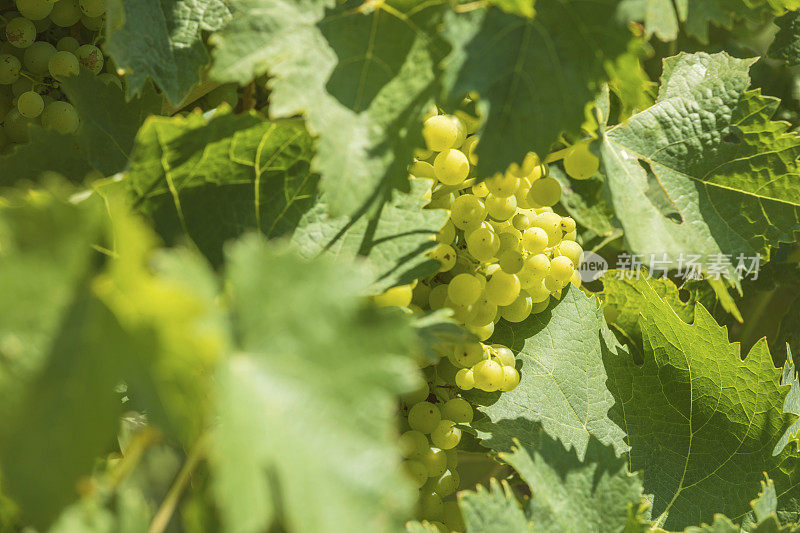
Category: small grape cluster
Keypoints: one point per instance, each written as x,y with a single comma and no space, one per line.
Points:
42,42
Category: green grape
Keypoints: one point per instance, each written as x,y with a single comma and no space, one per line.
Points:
424,417
510,239
545,192
430,506
20,32
446,435
451,167
538,307
501,208
110,79
561,269
90,57
551,224
453,518
413,444
504,355
447,234
30,104
446,255
502,288
63,65
483,244
510,379
68,44
580,163
568,225
521,221
440,133
437,297
447,483
468,355
469,147
37,57
399,296
21,86
467,211
576,279
529,164
483,332
503,185
572,250
538,264
34,9
480,190
418,395
538,291
458,410
518,310
553,285
422,169
471,122
417,472
465,379
65,13
488,375
435,461
511,261
464,289
439,526
441,199
460,312
16,126
60,116
92,8
535,240
93,23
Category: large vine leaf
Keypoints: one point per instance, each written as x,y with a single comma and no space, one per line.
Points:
360,73
162,39
701,422
563,384
707,154
533,75
212,180
306,409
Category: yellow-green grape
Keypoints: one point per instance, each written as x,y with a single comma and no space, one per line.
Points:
63,65
30,104
9,69
20,32
90,57
521,221
488,375
447,484
538,307
539,264
37,57
576,279
422,169
551,224
553,285
16,126
535,240
396,296
418,395
469,354
571,236
462,131
471,122
511,261
451,167
417,472
502,288
522,194
110,79
441,199
464,289
34,9
501,208
538,172
420,294
438,297
545,192
424,417
440,132
480,190
446,435
435,461
503,185
510,379
538,292
413,444
447,234
518,310
510,239
446,255
453,518
423,154
68,44
529,163
93,23
92,8
483,332
469,147
465,379
430,506
483,244
483,312
568,224
580,163
561,269
570,249
504,355
65,13
439,526
458,410
467,211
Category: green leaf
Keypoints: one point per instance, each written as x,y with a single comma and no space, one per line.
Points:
212,180
563,385
495,510
361,74
786,45
704,171
701,422
792,402
306,408
533,76
584,200
162,40
393,238
595,493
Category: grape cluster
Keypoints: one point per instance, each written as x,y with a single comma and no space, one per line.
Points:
504,254
42,42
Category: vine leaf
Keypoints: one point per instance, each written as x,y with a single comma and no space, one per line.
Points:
563,385
494,510
786,45
701,422
361,74
276,396
540,71
162,40
212,180
705,171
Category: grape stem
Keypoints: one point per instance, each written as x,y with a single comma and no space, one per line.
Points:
466,8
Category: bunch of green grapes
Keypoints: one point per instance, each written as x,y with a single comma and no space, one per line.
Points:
42,42
504,254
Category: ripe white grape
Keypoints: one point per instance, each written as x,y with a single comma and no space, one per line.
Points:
435,461
483,244
467,211
447,484
545,192
465,379
110,79
416,396
458,410
551,224
483,313
522,194
561,269
437,297
20,32
469,147
502,288
580,163
521,221
504,355
34,9
572,250
30,104
464,289
538,291
453,519
538,307
446,435
451,167
92,8
90,57
37,57
68,44
9,69
503,185
446,255
510,379
538,264
63,64
511,261
65,13
568,225
60,116
424,417
468,355
413,444
396,296
93,23
480,190
488,375
535,240
483,332
447,234
440,133
422,169
501,208
553,285
417,472
430,505
519,309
